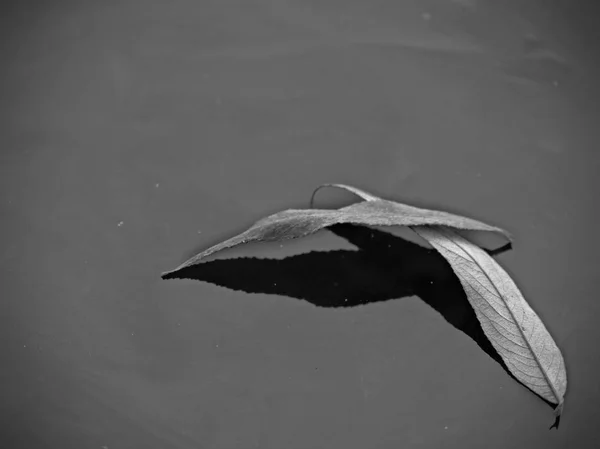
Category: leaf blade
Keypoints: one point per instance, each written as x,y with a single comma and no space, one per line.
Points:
373,204
373,211
511,325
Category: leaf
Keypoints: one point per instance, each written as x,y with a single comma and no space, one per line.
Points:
514,330
374,211
511,325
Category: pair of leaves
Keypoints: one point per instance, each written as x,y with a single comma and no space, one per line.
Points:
512,327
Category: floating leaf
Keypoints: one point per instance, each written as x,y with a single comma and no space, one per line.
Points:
511,325
514,330
374,211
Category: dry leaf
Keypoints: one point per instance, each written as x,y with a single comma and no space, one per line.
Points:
295,223
511,325
513,328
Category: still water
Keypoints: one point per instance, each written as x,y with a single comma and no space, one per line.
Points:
134,133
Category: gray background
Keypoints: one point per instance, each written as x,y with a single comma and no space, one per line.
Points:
133,132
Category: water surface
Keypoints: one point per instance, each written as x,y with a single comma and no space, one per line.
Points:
134,132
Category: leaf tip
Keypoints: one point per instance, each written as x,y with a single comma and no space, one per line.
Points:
557,413
312,197
502,249
360,193
172,274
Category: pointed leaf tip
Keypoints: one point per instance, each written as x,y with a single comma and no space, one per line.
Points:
557,414
360,193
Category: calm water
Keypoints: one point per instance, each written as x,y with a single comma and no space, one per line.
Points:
135,132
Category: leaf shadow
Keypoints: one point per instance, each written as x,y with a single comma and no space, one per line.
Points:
384,267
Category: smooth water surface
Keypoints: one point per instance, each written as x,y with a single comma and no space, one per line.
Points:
134,133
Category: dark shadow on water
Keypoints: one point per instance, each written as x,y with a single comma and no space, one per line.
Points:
384,267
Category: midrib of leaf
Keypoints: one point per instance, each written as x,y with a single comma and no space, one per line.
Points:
456,239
